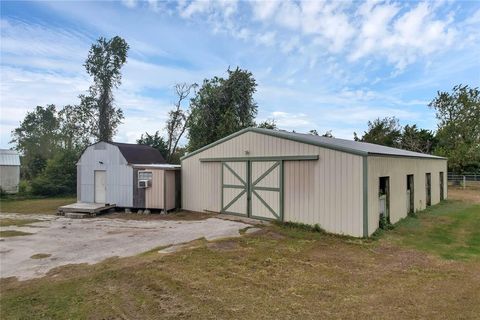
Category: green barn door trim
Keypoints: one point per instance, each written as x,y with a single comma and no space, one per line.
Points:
253,187
244,186
249,187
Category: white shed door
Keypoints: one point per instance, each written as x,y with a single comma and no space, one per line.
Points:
100,186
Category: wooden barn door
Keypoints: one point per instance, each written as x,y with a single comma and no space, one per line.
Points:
266,190
235,187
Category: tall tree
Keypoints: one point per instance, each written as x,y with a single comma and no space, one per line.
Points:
36,139
221,107
104,63
458,133
418,140
178,118
155,141
386,131
268,124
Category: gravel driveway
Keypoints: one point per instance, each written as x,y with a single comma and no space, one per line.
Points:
60,241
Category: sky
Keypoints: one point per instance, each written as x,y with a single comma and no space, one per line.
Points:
323,65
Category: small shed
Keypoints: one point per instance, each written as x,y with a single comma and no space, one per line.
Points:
9,170
346,187
128,176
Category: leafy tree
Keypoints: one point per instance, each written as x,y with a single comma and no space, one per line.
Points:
179,152
313,132
458,133
328,134
59,176
221,107
386,132
75,124
268,124
178,118
156,141
36,139
104,62
418,140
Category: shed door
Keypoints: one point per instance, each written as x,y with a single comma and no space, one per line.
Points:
100,186
235,187
266,189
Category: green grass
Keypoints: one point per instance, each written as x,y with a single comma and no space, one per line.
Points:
281,272
40,256
43,206
7,222
13,233
450,230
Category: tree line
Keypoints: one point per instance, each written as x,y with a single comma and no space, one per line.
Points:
51,139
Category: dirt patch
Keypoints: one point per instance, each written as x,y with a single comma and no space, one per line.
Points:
467,194
173,216
40,256
227,245
76,241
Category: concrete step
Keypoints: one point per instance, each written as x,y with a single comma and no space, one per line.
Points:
76,215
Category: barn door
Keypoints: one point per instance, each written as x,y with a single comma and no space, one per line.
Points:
235,187
266,189
100,186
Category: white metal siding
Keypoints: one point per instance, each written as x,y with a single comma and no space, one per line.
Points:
397,168
9,178
327,191
119,174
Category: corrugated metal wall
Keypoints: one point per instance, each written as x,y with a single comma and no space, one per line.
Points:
397,168
9,178
327,191
103,156
170,192
154,194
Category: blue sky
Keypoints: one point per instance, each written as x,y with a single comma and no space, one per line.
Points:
319,65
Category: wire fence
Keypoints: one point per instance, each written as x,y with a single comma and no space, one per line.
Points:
464,180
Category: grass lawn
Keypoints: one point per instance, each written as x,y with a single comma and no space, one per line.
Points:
427,267
450,230
43,205
12,233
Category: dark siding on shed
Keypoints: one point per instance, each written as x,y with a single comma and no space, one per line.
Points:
138,193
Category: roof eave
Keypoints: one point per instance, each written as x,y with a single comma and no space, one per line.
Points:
278,134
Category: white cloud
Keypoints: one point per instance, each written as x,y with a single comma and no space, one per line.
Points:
130,3
286,120
267,39
401,37
265,9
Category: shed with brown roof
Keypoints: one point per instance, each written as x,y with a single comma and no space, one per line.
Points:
128,176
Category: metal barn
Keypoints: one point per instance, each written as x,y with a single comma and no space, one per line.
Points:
9,170
345,186
127,176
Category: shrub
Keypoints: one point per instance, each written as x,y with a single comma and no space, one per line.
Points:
23,187
59,176
303,226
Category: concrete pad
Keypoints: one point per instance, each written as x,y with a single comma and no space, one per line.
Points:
73,241
232,217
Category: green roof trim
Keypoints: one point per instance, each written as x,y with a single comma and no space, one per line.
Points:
365,196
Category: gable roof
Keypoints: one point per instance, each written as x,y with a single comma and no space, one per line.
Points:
9,158
139,153
349,146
